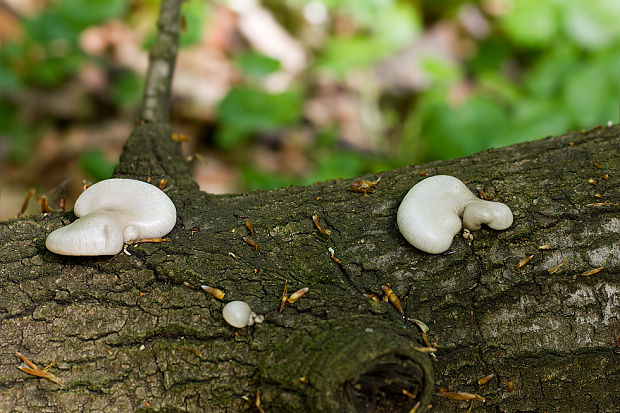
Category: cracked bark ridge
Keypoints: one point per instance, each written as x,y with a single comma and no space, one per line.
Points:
357,364
125,330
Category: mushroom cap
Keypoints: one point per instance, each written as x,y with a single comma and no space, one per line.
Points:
98,233
145,209
238,314
113,212
495,214
430,214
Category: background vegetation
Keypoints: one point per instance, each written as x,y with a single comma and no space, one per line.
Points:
290,92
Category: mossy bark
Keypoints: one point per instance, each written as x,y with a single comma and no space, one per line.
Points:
134,333
125,330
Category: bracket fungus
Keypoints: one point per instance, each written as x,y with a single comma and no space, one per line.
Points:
111,213
430,214
239,314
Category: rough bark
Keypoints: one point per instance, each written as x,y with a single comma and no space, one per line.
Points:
127,334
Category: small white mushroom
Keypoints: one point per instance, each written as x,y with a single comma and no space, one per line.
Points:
111,213
468,235
239,314
430,214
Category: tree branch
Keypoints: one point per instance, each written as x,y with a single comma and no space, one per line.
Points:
162,59
125,330
150,153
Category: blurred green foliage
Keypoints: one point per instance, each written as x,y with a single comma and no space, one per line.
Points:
541,67
247,110
96,166
256,66
567,55
47,56
194,14
127,90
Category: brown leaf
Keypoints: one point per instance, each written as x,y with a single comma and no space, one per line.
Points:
457,395
214,292
523,262
555,268
485,380
32,369
594,271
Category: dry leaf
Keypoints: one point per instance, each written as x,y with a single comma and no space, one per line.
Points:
555,268
594,271
30,368
297,295
214,292
393,298
523,262
485,380
425,349
457,395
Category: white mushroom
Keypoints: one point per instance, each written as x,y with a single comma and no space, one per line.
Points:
430,214
111,213
239,314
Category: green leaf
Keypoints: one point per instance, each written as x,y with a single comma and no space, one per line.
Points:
246,110
9,81
442,71
548,74
592,24
397,26
256,65
194,12
531,23
127,90
83,13
228,136
20,144
337,164
257,179
452,132
534,118
47,26
491,53
591,93
95,165
52,71
500,87
16,140
345,53
327,137
363,12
